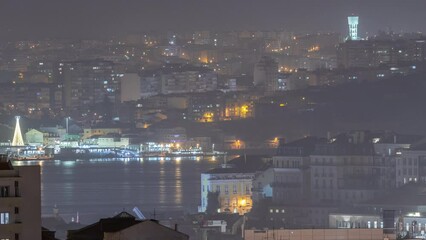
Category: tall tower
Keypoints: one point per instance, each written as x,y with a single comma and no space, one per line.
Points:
17,135
353,27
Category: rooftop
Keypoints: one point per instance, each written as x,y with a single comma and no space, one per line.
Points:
242,164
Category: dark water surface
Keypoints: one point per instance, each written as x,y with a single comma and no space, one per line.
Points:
102,187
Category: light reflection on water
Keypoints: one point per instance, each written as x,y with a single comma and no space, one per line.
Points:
101,187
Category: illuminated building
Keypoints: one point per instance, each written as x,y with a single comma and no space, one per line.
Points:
206,107
90,132
178,78
41,138
87,83
353,28
171,135
376,53
233,182
29,98
239,106
20,201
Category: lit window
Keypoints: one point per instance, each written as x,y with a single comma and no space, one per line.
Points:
4,218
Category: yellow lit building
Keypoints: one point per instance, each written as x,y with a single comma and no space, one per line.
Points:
235,110
234,190
233,182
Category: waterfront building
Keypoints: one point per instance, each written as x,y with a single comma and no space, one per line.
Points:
171,135
111,140
90,132
35,137
233,182
314,177
20,201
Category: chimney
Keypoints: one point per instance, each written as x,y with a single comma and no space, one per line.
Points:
176,227
55,211
3,158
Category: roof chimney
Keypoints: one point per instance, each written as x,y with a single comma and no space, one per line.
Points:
4,158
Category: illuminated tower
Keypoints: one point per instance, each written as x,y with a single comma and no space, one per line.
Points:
17,135
353,27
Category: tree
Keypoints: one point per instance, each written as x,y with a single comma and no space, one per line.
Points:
212,202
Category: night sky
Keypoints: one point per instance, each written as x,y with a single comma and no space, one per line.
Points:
35,19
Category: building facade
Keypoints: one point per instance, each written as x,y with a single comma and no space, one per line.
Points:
20,201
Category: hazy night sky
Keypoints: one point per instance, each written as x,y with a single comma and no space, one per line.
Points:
28,19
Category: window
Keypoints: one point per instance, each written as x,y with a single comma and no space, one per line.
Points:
235,188
17,189
4,191
226,189
218,188
16,210
247,189
4,218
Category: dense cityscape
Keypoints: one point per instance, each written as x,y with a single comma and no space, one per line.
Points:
213,133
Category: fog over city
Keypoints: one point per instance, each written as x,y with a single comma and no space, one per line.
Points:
211,120
29,19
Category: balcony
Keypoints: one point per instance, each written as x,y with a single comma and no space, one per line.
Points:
11,228
5,201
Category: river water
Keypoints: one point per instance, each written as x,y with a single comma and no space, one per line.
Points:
103,187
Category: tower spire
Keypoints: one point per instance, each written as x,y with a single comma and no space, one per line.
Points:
353,27
17,135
